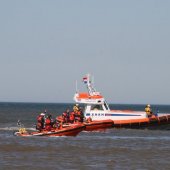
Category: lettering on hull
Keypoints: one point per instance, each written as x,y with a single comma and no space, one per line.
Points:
110,114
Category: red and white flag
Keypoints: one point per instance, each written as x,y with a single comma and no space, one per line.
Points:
85,79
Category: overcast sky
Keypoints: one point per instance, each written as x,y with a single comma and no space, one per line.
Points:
46,45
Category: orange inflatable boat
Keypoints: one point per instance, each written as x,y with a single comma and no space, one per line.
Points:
64,131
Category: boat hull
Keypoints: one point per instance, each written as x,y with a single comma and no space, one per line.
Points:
98,125
152,122
66,131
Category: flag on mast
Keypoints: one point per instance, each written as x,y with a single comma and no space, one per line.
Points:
85,79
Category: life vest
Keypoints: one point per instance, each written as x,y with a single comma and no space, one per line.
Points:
59,118
79,113
77,116
39,118
48,124
47,121
72,116
148,110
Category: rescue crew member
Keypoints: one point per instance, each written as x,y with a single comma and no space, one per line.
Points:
81,114
76,107
77,115
72,117
52,120
57,124
65,116
148,110
48,123
40,121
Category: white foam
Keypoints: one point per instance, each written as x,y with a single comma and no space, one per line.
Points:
13,128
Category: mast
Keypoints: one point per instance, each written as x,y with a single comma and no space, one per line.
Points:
76,87
89,84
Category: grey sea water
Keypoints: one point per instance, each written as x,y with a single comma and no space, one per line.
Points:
140,149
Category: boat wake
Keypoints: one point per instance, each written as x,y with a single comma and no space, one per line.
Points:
14,128
133,138
140,137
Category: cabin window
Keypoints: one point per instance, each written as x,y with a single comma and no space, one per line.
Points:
97,107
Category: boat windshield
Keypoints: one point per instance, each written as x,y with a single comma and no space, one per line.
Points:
96,107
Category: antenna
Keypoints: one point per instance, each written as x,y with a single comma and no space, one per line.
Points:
93,80
90,87
76,87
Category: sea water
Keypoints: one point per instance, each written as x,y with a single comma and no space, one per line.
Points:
141,149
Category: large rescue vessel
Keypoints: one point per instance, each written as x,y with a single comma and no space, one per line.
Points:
97,109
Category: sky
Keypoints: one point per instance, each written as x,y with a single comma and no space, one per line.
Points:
46,46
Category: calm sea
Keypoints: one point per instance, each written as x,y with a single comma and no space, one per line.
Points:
127,149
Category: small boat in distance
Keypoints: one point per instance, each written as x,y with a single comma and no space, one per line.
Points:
97,109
